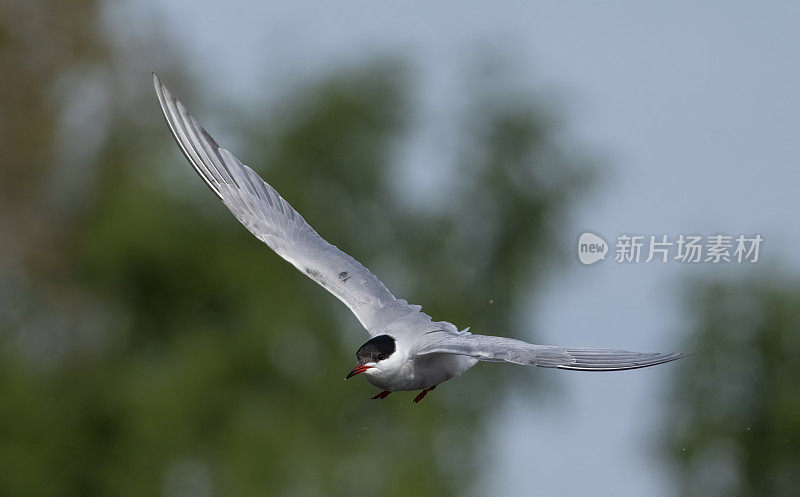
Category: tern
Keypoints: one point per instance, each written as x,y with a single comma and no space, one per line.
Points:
407,351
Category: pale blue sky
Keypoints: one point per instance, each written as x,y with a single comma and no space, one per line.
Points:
694,107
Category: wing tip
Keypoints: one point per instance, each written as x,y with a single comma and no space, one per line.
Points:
655,359
158,84
169,107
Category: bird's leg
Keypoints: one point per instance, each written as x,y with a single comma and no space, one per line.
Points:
423,393
382,395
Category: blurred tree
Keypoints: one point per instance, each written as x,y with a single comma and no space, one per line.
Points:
734,421
149,345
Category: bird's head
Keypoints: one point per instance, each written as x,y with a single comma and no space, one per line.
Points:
371,354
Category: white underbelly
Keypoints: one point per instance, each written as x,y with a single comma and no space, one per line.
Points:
423,372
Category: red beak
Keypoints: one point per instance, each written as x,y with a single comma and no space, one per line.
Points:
360,368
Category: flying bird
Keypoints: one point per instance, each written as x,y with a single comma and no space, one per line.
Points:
407,350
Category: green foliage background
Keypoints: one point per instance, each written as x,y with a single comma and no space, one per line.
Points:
151,345
734,424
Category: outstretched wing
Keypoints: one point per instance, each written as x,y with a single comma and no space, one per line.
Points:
273,221
499,349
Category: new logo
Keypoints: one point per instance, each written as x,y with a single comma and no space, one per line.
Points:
591,248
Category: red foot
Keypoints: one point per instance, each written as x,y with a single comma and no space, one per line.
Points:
382,395
423,393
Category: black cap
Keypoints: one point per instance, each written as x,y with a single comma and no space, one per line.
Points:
376,349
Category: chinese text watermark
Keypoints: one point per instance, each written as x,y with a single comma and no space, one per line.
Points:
689,249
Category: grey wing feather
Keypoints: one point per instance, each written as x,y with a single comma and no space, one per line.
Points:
273,221
499,349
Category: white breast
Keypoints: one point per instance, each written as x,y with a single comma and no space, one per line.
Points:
417,373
